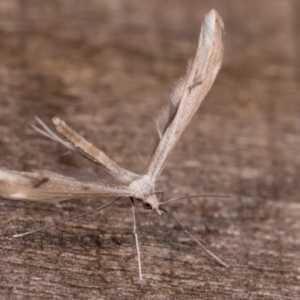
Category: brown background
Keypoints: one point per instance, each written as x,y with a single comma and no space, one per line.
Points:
106,67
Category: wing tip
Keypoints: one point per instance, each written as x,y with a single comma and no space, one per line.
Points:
213,17
213,24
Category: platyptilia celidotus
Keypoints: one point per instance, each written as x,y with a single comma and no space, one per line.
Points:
186,98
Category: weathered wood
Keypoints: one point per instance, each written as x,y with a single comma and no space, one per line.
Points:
105,67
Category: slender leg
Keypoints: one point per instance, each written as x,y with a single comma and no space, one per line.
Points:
66,220
46,131
137,243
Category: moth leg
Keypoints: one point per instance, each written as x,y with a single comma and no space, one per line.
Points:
136,243
66,220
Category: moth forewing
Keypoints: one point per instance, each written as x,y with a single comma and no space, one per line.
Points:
200,75
91,152
45,185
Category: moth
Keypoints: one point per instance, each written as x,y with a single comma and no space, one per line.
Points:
185,99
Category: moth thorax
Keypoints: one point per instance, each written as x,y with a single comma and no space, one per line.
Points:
142,187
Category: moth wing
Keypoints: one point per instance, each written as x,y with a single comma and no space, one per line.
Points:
46,185
189,92
77,143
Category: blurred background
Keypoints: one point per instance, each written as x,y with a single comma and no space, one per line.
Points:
106,67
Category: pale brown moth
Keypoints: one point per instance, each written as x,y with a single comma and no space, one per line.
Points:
186,98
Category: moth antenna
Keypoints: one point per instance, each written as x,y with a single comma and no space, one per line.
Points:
196,240
137,243
193,196
47,132
65,220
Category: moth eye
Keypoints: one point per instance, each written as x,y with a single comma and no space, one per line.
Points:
147,206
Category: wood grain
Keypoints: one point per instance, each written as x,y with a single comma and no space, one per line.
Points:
106,67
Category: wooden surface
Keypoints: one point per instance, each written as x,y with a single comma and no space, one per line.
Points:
106,68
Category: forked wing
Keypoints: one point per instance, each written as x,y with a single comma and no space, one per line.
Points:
189,92
45,185
76,143
93,153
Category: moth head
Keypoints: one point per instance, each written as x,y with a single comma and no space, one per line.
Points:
151,203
